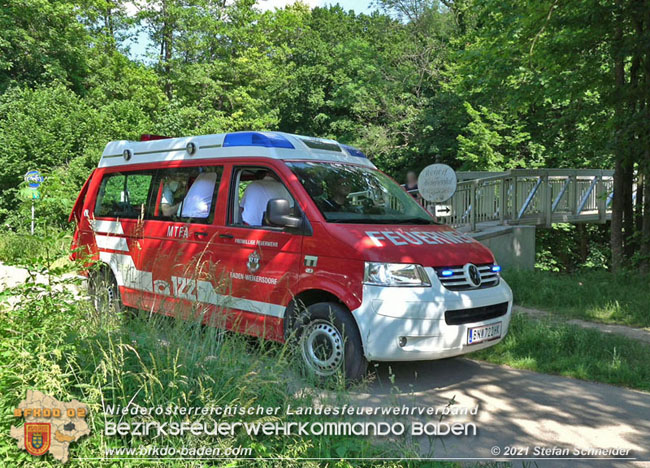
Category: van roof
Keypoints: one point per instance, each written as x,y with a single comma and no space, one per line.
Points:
275,145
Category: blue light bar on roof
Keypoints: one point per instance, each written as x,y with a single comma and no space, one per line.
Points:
354,151
268,140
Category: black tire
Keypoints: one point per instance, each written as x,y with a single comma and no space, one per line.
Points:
329,342
104,292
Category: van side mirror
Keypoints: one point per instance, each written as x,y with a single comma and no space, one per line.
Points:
278,213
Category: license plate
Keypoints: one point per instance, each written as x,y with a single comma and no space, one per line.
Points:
484,333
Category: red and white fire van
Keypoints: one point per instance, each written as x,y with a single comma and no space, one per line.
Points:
280,236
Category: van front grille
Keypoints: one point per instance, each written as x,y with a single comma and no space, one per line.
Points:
475,314
456,281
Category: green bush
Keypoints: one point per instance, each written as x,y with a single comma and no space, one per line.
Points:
34,252
570,247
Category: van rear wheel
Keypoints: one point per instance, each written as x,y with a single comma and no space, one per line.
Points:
330,342
104,292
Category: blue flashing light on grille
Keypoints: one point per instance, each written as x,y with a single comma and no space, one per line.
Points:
354,151
496,268
446,273
268,140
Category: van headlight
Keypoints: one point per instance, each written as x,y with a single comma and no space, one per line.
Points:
395,274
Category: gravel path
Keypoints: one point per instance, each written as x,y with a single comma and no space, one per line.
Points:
12,276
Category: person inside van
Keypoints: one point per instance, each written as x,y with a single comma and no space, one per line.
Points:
257,195
339,200
196,203
340,197
171,192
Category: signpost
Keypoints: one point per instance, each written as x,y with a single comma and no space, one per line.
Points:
34,179
437,184
443,210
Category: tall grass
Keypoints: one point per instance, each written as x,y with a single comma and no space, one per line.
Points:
548,347
598,296
54,342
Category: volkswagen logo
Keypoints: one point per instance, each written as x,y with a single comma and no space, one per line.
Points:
472,275
253,263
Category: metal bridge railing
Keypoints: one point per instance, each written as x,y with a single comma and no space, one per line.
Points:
530,196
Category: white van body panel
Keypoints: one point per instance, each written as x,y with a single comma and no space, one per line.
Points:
418,314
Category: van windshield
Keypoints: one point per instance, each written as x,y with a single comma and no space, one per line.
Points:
353,194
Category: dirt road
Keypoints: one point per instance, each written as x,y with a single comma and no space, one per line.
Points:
520,409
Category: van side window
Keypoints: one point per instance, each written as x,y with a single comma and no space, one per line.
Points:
187,194
253,187
123,195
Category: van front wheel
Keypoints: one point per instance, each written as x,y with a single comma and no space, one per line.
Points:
330,341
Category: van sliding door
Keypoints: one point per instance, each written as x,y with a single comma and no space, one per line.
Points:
180,235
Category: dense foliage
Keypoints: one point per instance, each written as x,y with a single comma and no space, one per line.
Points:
478,84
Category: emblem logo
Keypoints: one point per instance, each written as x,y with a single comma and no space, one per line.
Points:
311,260
253,263
37,438
472,275
50,425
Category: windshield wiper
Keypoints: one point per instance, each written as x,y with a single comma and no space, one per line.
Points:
351,220
413,221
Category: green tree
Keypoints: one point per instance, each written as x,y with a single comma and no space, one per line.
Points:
41,41
41,129
493,144
571,72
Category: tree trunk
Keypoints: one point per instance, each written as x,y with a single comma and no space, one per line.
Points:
167,61
110,28
645,228
628,210
638,208
584,242
635,107
644,165
616,239
166,44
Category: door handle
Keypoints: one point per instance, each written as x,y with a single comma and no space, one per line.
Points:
226,236
200,234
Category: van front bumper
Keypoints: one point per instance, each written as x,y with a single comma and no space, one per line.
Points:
408,324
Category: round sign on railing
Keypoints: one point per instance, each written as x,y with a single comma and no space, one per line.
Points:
437,183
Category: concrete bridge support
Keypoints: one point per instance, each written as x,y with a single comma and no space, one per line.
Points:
513,246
